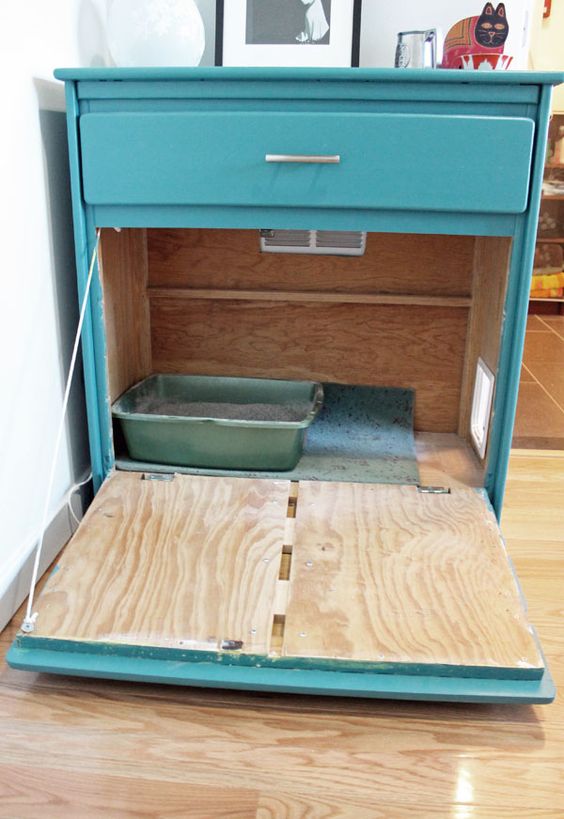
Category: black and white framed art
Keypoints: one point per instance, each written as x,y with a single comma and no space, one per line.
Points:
300,33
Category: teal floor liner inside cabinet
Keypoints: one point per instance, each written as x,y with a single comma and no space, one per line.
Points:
362,434
277,582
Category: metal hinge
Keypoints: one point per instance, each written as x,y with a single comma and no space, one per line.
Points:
434,490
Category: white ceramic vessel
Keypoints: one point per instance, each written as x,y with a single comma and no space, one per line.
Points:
155,32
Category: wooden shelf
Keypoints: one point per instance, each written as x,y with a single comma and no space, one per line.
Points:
554,197
553,239
555,165
308,295
554,301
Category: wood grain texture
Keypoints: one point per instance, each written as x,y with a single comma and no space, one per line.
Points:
491,270
93,748
386,574
126,308
309,296
187,563
445,459
50,793
231,259
394,346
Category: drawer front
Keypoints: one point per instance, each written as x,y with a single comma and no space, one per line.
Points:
374,161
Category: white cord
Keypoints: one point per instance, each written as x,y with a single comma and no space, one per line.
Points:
28,624
70,495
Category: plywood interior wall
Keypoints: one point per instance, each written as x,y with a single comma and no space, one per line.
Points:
219,306
491,269
208,302
401,346
123,265
230,259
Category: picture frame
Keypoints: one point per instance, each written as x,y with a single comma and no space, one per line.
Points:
293,33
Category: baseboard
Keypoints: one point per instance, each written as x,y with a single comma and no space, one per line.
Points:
14,588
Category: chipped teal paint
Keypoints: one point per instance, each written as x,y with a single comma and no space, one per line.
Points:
281,680
241,660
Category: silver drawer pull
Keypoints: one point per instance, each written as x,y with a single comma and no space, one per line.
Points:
301,158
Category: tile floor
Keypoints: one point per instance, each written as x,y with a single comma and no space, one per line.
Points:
540,411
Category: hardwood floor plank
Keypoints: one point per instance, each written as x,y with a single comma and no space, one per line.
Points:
49,793
539,418
346,760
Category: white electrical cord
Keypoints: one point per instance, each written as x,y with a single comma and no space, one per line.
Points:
28,624
70,494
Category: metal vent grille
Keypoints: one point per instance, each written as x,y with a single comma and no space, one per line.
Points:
321,242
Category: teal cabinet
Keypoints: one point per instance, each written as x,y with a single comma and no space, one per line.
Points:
425,153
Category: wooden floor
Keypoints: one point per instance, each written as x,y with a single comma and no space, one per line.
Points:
539,423
86,748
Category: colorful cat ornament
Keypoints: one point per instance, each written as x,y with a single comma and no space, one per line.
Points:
485,34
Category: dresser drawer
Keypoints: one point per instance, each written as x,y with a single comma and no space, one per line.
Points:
318,160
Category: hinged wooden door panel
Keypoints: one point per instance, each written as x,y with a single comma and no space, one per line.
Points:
382,578
410,581
188,564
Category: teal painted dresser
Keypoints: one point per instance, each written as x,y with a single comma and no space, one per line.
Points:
443,171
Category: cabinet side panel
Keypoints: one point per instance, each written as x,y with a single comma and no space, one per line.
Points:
126,308
491,270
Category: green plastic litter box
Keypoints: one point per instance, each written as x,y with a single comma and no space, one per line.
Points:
219,423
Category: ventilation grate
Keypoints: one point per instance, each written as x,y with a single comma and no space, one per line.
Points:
322,242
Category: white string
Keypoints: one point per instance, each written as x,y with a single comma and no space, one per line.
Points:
28,624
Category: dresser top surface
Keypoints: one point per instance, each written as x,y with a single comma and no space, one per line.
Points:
354,75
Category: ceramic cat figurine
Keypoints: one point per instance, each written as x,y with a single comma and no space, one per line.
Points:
485,34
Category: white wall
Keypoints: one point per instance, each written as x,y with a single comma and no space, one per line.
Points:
547,45
379,29
37,272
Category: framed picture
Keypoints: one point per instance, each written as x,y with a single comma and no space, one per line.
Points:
314,33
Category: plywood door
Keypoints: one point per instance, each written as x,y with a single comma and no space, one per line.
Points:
386,574
379,575
190,563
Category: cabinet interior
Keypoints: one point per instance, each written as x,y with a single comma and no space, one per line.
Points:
416,311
